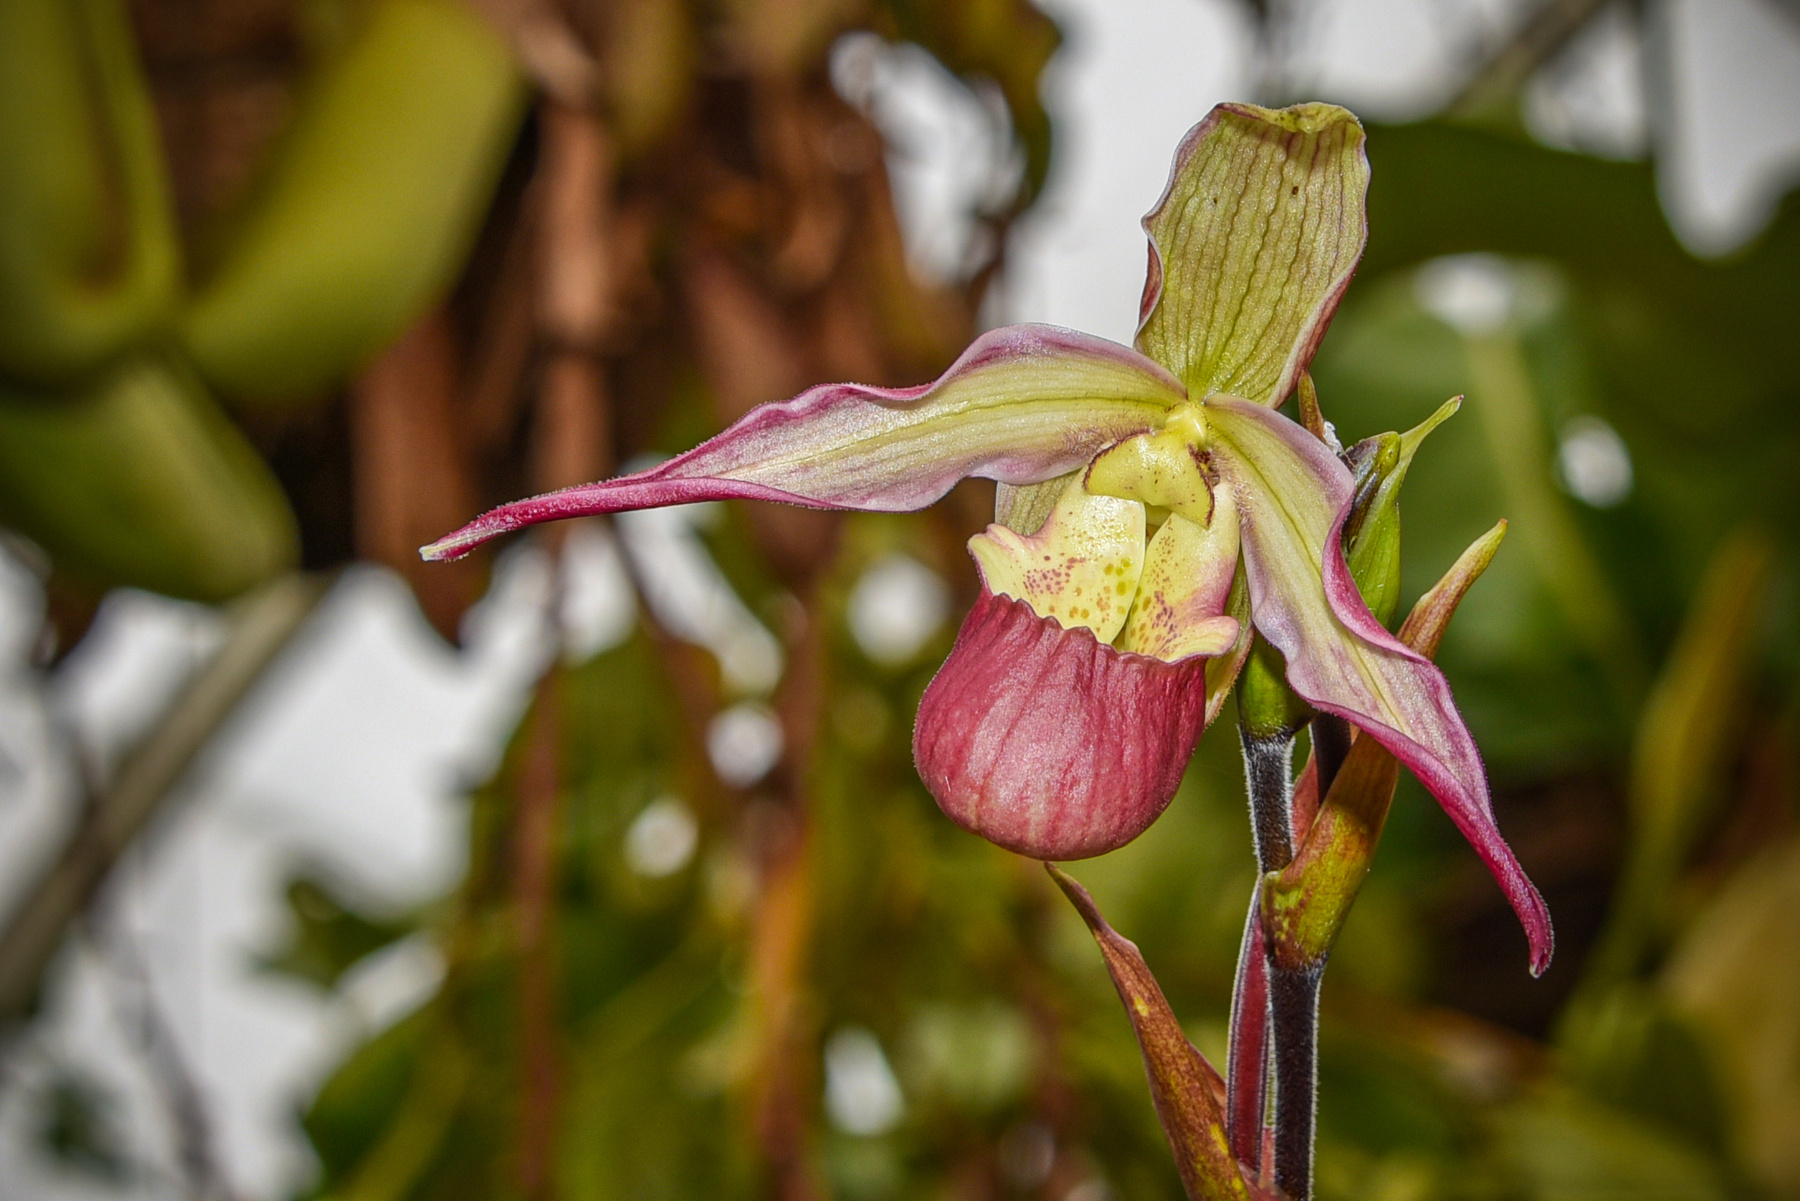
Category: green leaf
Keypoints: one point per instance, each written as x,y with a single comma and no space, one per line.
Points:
328,936
1686,727
142,481
368,210
1733,977
89,260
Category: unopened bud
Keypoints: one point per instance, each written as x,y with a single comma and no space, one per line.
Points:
1372,531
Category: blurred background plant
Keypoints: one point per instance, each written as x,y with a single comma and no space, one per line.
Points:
289,285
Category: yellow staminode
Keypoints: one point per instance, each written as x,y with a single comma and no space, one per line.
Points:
1081,568
1089,566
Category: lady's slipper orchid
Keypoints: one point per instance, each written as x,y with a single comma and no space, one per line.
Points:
1113,616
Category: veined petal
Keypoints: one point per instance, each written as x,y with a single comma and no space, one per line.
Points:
1252,245
1023,508
1023,404
1293,494
1050,743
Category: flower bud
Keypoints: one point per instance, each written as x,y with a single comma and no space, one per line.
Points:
1372,531
1372,528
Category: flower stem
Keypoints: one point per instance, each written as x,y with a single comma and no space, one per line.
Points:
1275,1010
1269,776
1247,1067
1331,742
1294,1008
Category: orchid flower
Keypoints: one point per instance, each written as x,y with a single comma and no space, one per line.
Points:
1153,508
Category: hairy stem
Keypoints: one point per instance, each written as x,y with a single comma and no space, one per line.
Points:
1294,1010
1269,775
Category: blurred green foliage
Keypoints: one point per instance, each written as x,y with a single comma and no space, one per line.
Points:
88,255
362,216
80,1127
368,209
143,479
329,938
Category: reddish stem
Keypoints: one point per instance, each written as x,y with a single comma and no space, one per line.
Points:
1247,1067
1305,805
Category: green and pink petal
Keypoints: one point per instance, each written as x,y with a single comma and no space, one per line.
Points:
1023,404
1294,495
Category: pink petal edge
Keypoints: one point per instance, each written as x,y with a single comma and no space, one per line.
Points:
815,440
1469,807
1454,774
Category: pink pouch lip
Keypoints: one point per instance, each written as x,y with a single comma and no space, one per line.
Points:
1049,742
